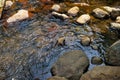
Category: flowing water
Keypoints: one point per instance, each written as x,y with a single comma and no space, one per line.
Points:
28,49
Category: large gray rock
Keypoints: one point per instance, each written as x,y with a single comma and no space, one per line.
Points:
57,78
71,65
99,13
112,56
102,73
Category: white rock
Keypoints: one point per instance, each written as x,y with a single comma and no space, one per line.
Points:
99,13
64,16
118,19
83,18
73,11
56,7
110,9
8,4
20,15
115,25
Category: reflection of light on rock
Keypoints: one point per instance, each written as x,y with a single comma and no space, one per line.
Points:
20,15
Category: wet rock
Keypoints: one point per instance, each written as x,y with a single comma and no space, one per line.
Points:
85,40
83,19
56,7
95,47
60,41
110,9
57,78
118,19
112,56
99,13
96,60
73,11
71,65
8,4
102,73
115,25
20,15
58,15
114,14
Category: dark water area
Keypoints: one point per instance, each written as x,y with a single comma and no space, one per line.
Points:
27,48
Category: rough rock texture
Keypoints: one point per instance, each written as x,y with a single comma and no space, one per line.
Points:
20,15
73,11
112,56
96,60
71,65
57,78
83,19
99,13
102,73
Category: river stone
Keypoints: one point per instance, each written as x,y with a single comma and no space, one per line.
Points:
59,15
8,4
96,60
71,65
20,15
99,13
56,7
115,25
102,73
112,56
83,19
118,19
110,9
73,11
57,78
85,40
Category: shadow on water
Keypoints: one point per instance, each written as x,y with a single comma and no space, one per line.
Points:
27,48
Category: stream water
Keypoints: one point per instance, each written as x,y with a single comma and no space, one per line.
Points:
27,48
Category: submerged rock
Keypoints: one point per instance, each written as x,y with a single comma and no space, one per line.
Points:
99,13
71,65
57,78
20,15
56,7
73,11
96,60
112,56
60,41
58,15
83,19
102,73
85,40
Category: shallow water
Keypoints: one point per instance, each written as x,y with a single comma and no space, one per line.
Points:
28,50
